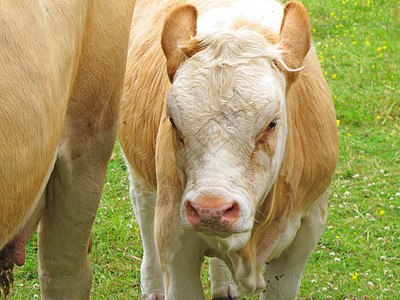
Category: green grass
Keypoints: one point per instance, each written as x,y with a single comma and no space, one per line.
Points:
358,43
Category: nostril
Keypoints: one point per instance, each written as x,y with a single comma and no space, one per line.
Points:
214,216
192,214
231,214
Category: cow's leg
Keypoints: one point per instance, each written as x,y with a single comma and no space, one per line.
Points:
222,284
86,144
283,275
181,255
72,197
143,202
181,263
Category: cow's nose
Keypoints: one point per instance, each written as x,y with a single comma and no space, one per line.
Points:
207,215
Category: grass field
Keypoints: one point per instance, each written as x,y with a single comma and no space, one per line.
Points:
358,256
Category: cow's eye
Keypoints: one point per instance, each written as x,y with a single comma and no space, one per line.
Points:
177,131
272,125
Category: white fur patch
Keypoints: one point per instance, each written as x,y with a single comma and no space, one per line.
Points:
221,99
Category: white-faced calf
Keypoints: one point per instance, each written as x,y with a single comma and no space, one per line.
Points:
229,132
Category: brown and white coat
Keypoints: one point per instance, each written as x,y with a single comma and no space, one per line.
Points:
234,159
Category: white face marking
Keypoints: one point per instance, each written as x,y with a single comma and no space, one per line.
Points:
221,100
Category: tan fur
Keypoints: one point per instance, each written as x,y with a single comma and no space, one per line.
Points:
61,72
187,28
310,157
311,149
145,61
292,34
292,37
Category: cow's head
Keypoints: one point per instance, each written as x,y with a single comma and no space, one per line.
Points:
228,113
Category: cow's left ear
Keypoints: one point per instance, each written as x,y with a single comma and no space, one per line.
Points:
295,35
179,28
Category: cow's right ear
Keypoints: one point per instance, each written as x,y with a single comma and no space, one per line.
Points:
179,28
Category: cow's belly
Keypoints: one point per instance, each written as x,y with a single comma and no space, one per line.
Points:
27,214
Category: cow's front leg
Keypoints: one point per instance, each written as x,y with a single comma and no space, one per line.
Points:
143,202
72,197
283,275
85,147
181,268
181,256
222,284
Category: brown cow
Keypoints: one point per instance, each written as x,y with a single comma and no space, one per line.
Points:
235,158
62,65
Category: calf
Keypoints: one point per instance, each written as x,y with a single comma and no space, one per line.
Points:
229,133
62,65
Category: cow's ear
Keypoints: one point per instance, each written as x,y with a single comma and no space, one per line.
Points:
179,28
295,35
